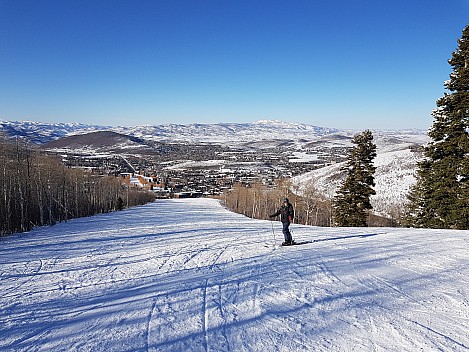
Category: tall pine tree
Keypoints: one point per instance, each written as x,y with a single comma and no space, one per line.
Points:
352,201
440,198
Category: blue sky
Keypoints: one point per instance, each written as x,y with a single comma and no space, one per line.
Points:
346,64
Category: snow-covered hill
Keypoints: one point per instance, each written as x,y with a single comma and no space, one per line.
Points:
220,132
187,275
96,142
40,133
224,133
396,162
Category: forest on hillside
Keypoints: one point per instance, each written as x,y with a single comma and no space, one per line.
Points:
259,201
37,190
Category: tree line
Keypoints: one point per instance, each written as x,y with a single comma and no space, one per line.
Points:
38,190
350,207
259,201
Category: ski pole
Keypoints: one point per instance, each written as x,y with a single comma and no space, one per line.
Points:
275,240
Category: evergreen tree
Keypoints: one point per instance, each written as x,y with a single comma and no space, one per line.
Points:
440,198
352,201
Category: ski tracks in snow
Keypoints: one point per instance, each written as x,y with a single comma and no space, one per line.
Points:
212,301
187,275
385,307
20,277
202,266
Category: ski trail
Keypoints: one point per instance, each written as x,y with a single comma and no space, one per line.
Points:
187,275
29,277
205,316
379,288
445,337
148,346
221,309
206,294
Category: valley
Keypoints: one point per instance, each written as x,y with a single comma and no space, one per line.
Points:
207,159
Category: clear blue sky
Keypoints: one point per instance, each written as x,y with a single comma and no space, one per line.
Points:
347,64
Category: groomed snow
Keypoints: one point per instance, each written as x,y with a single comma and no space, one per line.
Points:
188,275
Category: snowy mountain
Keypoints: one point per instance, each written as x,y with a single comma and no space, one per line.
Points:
260,134
220,133
398,153
97,142
228,132
40,133
187,275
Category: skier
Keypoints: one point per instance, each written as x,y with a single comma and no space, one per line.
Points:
286,213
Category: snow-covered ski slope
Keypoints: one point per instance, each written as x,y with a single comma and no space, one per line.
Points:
188,275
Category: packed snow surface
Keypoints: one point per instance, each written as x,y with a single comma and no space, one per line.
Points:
188,275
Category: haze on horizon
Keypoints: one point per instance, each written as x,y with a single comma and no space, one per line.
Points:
366,64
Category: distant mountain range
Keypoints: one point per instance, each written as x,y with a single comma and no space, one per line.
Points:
263,130
40,133
227,132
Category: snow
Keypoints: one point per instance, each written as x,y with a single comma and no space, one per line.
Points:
188,275
197,164
302,157
394,177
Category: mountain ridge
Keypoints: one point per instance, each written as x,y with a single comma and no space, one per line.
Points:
97,141
41,133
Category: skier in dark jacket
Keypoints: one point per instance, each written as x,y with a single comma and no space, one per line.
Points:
286,213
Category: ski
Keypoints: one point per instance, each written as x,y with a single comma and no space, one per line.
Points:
294,243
